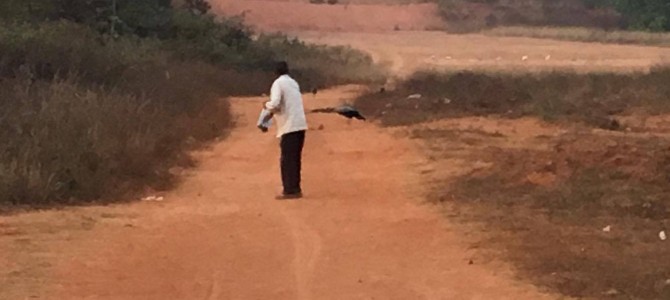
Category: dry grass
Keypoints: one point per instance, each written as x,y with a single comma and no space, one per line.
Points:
591,98
539,194
474,15
88,119
542,203
84,119
582,34
67,144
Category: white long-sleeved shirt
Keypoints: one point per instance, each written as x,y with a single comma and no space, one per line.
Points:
286,102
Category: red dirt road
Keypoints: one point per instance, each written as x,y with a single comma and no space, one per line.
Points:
362,232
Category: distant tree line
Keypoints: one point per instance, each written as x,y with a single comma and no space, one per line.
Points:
653,15
648,15
139,17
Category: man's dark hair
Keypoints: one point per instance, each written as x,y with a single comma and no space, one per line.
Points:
282,68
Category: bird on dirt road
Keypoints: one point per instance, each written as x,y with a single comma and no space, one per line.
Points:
344,110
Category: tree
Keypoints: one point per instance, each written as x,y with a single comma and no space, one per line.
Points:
141,17
197,7
651,15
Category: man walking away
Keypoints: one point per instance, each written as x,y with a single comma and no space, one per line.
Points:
286,105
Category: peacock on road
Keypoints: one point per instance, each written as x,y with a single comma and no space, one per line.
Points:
344,110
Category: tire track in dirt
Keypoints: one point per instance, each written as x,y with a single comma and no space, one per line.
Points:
215,291
307,244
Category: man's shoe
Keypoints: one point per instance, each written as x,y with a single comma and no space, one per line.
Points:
289,196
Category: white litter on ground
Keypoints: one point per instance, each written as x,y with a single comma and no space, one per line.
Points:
153,198
414,96
611,292
662,236
608,228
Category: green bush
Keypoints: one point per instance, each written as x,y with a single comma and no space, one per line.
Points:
653,15
650,15
231,43
141,17
202,37
44,51
319,66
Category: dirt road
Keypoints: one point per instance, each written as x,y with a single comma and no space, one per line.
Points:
362,232
301,15
409,51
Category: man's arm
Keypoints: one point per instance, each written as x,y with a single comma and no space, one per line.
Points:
275,98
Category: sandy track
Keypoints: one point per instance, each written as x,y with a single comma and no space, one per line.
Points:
361,233
407,52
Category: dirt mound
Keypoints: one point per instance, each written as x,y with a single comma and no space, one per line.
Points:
299,16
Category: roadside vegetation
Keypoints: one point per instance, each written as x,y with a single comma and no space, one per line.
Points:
564,175
637,15
583,34
476,15
595,99
100,99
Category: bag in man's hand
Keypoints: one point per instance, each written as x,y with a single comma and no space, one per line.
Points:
264,120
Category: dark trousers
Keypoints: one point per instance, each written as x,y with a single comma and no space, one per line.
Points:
291,161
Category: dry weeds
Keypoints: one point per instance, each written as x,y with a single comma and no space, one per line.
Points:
542,202
540,194
582,34
591,98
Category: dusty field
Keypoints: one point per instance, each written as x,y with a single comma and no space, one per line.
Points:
407,52
299,16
